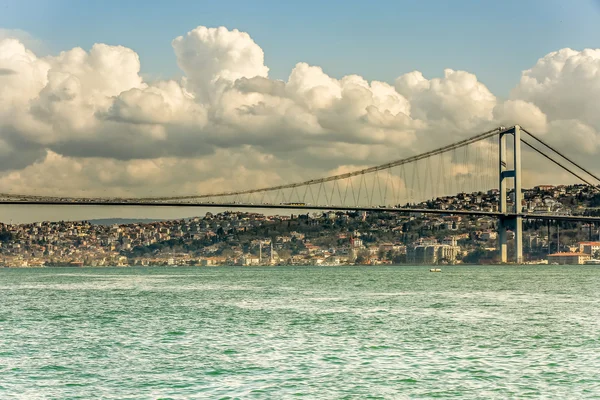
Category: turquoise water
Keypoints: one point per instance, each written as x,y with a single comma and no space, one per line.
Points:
317,333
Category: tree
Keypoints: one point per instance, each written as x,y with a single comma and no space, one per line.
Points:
227,253
6,236
398,257
284,254
362,256
474,256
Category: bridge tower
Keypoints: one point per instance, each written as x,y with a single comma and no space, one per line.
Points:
514,221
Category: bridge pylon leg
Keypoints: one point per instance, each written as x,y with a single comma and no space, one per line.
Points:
502,240
518,226
502,237
515,221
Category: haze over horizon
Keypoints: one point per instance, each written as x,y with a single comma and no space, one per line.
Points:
119,100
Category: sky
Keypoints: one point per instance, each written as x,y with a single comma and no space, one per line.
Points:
377,40
124,97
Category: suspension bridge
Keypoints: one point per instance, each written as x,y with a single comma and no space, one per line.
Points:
489,162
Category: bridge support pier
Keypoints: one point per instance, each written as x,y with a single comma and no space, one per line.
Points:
502,240
514,222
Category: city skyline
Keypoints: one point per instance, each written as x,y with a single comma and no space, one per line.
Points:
329,238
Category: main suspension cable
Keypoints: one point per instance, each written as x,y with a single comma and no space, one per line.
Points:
557,163
560,154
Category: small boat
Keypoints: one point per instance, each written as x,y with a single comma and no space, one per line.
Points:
435,270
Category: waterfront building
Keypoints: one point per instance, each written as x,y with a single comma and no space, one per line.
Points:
251,260
432,254
568,258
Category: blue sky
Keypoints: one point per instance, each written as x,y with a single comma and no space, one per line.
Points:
496,40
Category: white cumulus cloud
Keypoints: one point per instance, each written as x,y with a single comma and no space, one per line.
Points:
85,121
212,56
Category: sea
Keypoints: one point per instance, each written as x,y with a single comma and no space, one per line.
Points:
393,332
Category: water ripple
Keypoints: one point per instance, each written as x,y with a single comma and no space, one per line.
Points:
327,333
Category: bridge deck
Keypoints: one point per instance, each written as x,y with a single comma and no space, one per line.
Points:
308,207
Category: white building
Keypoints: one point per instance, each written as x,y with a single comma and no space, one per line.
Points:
568,258
251,260
589,247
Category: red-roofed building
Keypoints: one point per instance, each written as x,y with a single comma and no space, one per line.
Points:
589,247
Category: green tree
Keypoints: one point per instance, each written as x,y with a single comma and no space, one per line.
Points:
362,257
227,253
284,254
474,256
398,257
6,236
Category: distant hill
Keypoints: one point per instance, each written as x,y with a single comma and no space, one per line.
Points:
123,221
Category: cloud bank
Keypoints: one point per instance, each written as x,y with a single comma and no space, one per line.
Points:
86,122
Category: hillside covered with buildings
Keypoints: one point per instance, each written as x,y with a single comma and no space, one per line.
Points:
329,238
